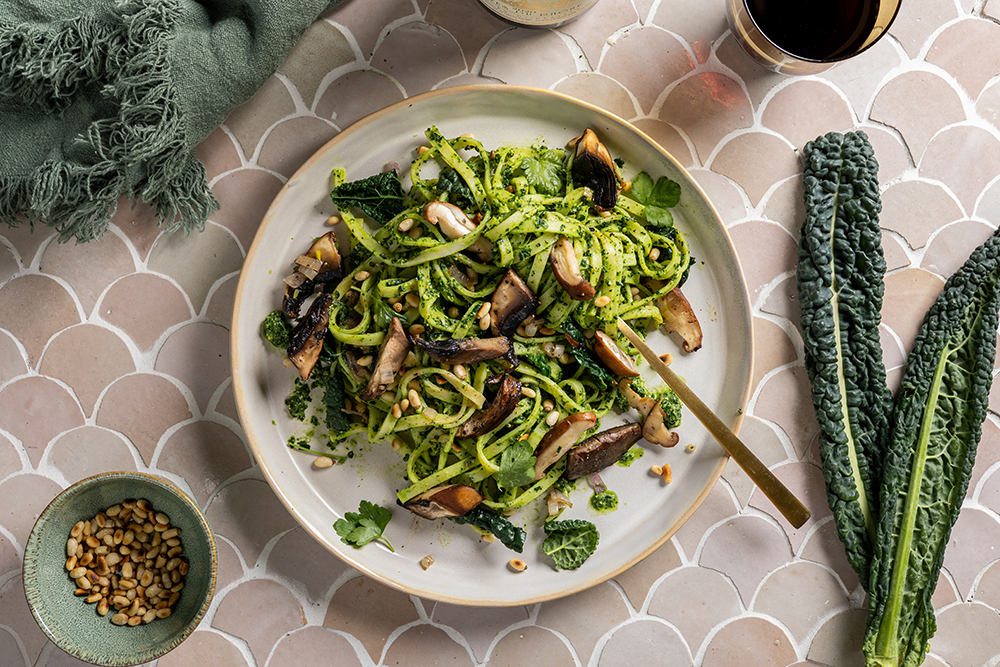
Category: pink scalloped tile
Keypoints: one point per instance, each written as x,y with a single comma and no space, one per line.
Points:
248,514
766,445
142,407
839,639
694,600
917,209
33,308
645,642
599,90
908,295
139,225
370,612
892,156
246,195
806,109
36,409
471,35
205,455
766,250
300,558
724,194
960,633
637,580
291,142
964,158
10,648
952,246
366,22
226,404
259,612
8,264
219,153
198,261
989,491
987,454
221,301
918,20
668,138
800,596
87,358
89,450
988,104
250,121
584,617
204,647
971,547
708,107
859,78
197,355
940,107
988,588
10,457
523,646
967,50
144,306
824,546
785,399
12,362
554,59
591,31
10,560
230,567
321,43
757,161
15,614
746,549
699,24
418,55
895,253
88,269
22,499
26,241
772,348
749,642
783,301
354,95
718,506
479,626
647,61
313,645
786,206
805,481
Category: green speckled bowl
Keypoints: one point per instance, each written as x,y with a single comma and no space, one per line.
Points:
75,626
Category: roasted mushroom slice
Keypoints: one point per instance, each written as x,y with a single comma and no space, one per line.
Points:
454,223
395,347
614,357
512,302
484,421
445,501
560,438
566,268
653,428
465,350
601,450
320,264
594,168
679,318
306,340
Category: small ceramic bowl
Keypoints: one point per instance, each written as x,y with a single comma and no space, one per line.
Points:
74,625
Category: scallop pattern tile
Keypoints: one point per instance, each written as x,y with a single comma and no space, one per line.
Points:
115,355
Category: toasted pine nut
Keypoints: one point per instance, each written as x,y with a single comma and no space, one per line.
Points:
483,310
366,360
414,398
654,254
426,561
656,470
119,619
404,404
333,220
361,275
412,300
397,412
517,565
602,301
459,371
528,392
323,462
405,225
417,329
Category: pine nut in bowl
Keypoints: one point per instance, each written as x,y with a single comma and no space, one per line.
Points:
120,568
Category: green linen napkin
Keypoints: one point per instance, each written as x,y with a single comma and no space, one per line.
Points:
105,99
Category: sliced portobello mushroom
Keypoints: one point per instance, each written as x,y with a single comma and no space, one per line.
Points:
391,355
465,350
594,168
511,304
503,404
601,450
614,357
444,501
320,264
454,223
560,438
306,340
566,268
679,318
653,428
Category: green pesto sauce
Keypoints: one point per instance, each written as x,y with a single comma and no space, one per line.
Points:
605,502
631,456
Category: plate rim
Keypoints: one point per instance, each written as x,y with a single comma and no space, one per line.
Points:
238,381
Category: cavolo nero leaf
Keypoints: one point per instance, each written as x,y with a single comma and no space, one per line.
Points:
510,536
840,284
937,424
380,195
569,543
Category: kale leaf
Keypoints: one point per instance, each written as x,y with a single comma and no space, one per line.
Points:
297,402
656,197
569,543
333,399
459,194
510,536
517,466
367,524
589,362
380,196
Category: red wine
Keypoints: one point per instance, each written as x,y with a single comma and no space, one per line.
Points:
815,29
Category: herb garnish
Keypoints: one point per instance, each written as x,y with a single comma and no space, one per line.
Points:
367,524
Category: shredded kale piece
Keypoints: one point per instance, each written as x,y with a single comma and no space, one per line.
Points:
569,543
333,399
588,361
380,196
457,189
510,536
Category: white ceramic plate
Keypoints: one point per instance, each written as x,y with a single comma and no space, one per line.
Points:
467,570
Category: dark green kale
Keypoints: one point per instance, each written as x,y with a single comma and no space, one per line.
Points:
333,400
510,536
602,377
569,543
275,329
380,196
298,400
457,189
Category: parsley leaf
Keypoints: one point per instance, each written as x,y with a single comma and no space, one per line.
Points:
569,543
380,196
656,197
361,527
517,466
